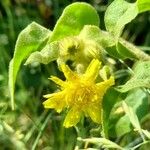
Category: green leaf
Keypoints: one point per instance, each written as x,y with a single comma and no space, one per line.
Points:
138,100
110,98
118,14
112,51
49,53
143,5
141,77
146,133
132,116
106,41
122,126
128,50
73,19
134,120
102,38
102,142
32,38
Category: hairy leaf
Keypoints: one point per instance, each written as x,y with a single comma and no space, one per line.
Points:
138,100
128,50
121,49
47,54
32,38
118,14
141,77
132,116
103,38
73,19
103,142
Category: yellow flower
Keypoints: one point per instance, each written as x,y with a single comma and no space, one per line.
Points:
79,94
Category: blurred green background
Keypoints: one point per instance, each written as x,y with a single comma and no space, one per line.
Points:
30,126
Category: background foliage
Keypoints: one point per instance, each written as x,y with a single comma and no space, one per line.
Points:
30,126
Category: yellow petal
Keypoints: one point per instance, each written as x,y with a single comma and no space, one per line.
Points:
93,69
52,95
55,101
103,86
73,117
94,112
57,81
69,74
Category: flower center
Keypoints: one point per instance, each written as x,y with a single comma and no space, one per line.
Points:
84,93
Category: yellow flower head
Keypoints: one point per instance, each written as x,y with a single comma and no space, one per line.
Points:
79,94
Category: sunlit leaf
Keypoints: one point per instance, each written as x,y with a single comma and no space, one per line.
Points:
118,14
47,54
103,38
128,50
73,19
146,133
106,41
132,116
32,38
141,77
138,101
143,5
134,119
103,142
